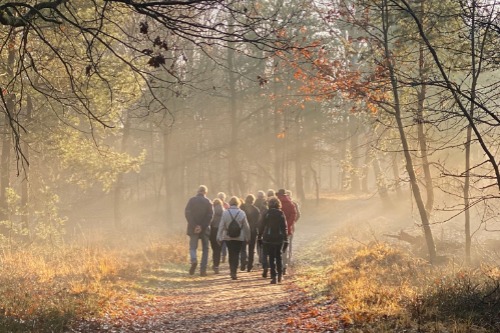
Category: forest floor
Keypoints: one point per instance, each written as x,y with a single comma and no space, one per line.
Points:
167,299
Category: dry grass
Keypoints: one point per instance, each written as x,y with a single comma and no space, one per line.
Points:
43,289
384,289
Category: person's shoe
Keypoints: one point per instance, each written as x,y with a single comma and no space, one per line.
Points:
216,270
193,268
280,278
273,280
284,270
249,268
203,273
264,273
242,268
234,277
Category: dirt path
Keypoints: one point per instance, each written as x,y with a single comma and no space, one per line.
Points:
169,300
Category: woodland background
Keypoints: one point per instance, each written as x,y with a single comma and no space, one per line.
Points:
115,111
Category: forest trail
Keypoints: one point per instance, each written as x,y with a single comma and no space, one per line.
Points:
172,301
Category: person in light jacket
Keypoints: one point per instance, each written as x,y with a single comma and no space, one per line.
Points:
234,244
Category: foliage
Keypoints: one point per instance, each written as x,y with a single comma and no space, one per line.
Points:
44,289
381,288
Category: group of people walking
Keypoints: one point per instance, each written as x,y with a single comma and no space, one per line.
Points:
263,223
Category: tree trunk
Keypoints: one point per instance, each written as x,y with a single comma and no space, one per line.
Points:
354,145
316,183
235,179
5,164
25,217
167,174
397,177
468,237
299,180
467,227
431,247
118,188
278,171
6,143
366,167
422,138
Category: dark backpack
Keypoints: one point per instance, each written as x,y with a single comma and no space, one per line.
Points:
273,232
234,228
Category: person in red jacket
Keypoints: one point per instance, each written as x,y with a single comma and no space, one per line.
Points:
290,211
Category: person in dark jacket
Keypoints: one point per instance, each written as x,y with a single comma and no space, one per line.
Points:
290,212
253,218
261,204
214,227
199,213
274,231
288,254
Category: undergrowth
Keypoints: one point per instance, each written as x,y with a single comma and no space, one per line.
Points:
383,288
43,289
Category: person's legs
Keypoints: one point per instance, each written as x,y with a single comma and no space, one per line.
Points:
287,254
204,254
265,259
233,249
216,249
260,253
193,247
251,251
272,261
243,256
279,263
223,251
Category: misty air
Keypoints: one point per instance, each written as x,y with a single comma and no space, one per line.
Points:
250,166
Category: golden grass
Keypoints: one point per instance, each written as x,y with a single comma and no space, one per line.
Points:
43,289
382,288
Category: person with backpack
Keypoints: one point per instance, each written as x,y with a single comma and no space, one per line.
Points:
234,230
199,212
274,233
214,228
253,218
291,216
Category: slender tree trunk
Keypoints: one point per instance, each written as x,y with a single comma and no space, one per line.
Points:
234,172
278,172
25,218
422,138
475,74
468,236
395,172
167,174
5,166
381,182
7,142
354,145
299,162
406,149
366,167
343,181
118,188
316,183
